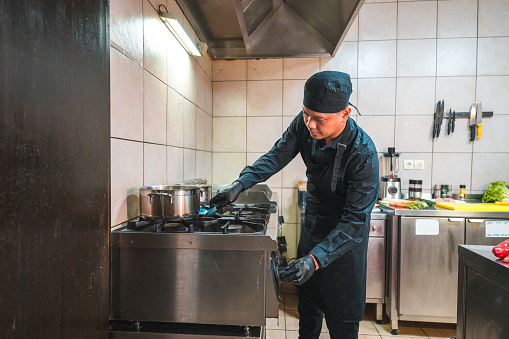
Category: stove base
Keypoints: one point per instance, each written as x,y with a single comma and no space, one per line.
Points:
153,330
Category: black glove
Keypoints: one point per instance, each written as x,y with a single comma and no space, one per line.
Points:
227,194
299,271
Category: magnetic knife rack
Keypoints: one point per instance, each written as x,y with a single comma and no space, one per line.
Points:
467,114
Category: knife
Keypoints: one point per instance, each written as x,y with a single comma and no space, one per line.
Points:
449,122
473,125
440,118
435,120
478,120
453,121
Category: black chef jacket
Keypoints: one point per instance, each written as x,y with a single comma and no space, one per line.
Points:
341,191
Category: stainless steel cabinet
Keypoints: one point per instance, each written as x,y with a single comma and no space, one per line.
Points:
429,268
422,262
375,279
376,269
475,231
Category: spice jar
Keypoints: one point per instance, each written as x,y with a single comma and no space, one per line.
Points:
443,191
462,192
415,189
449,191
436,192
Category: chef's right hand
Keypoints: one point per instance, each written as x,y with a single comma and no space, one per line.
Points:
300,270
227,194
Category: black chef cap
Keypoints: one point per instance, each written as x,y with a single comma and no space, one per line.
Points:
327,92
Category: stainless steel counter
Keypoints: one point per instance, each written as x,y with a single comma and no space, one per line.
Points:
441,212
378,214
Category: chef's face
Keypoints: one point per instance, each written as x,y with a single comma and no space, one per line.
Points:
325,125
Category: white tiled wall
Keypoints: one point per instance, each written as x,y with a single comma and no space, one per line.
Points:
161,105
403,56
175,117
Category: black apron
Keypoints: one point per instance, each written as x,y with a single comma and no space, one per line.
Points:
339,290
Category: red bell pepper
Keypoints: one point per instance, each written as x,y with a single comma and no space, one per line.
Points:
502,249
506,259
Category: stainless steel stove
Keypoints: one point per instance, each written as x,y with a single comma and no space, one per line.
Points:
212,276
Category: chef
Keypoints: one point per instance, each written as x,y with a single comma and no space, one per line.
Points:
342,171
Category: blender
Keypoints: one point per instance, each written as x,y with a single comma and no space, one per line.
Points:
390,183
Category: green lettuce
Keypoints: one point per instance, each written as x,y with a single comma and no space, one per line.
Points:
496,191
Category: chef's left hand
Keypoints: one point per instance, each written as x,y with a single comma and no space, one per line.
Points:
227,194
299,271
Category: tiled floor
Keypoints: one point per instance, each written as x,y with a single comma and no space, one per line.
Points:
287,326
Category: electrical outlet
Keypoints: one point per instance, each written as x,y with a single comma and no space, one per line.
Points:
419,164
408,164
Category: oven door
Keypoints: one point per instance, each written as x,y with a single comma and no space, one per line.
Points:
272,285
192,278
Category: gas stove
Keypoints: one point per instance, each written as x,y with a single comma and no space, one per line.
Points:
207,274
246,218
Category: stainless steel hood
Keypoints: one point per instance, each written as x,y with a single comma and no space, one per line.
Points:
242,29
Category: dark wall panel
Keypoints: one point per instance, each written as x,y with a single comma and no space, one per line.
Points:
54,168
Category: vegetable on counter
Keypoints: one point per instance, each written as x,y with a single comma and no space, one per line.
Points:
413,204
496,191
502,249
417,205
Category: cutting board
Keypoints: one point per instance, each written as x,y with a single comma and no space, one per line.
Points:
473,207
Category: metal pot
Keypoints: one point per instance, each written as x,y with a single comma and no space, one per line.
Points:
205,194
170,202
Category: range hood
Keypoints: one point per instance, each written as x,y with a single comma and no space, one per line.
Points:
247,29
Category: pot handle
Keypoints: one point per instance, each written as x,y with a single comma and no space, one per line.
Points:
163,194
160,193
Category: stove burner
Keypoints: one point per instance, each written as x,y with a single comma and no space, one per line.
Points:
158,226
259,209
175,227
228,219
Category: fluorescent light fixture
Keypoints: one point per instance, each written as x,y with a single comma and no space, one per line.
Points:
176,29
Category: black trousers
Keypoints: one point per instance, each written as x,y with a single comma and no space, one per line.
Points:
311,318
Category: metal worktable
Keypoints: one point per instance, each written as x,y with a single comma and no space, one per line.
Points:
441,212
422,268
